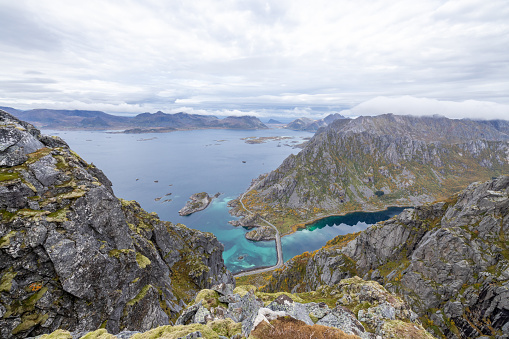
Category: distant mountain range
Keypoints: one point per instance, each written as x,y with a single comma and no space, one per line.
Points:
145,122
370,163
310,125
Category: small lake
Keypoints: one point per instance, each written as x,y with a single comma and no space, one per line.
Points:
161,171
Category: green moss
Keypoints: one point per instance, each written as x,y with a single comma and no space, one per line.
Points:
6,215
58,216
73,195
140,295
99,334
209,299
58,334
267,298
29,321
243,290
225,327
174,332
34,156
142,260
7,176
118,253
6,239
400,329
313,318
6,281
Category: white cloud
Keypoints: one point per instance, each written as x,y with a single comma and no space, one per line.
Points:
268,56
408,105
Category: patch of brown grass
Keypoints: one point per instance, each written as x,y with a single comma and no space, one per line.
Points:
287,327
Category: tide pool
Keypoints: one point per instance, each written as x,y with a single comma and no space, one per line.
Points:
161,171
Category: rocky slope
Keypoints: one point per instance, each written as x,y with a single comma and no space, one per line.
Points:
449,260
310,125
373,162
353,308
73,256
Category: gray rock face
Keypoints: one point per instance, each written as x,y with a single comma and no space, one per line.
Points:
15,142
451,256
343,318
293,309
74,256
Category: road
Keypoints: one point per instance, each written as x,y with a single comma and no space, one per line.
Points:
279,248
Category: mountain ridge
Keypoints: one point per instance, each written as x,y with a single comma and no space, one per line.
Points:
141,123
370,163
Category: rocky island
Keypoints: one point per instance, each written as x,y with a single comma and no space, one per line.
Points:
261,233
197,202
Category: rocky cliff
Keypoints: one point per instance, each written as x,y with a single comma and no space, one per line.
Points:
449,260
373,162
73,256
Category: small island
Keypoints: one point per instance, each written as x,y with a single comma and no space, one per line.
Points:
197,202
261,233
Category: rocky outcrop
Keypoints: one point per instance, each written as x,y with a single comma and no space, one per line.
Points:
356,307
261,233
197,202
73,256
449,260
370,163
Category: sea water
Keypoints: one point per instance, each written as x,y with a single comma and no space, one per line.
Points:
161,171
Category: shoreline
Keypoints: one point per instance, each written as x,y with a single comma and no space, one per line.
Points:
303,225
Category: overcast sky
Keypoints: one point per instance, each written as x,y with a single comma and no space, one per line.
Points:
269,58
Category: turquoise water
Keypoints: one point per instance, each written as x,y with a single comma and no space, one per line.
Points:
146,167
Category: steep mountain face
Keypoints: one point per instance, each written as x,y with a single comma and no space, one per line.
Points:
142,123
450,261
306,124
74,256
373,162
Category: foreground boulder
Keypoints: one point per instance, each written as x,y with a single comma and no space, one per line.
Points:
75,257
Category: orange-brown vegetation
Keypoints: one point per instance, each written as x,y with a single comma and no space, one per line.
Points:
287,327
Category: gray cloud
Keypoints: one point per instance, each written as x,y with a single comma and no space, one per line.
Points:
284,57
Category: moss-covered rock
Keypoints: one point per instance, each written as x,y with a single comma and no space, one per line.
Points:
76,257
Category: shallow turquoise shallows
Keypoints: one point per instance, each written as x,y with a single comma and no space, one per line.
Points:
161,171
